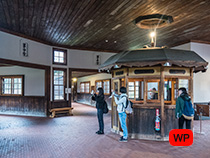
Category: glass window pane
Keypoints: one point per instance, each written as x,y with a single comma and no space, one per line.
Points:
59,56
131,90
131,95
183,83
56,53
167,90
152,90
58,85
82,87
56,59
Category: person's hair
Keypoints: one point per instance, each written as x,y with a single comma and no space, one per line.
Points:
123,90
101,91
183,89
154,89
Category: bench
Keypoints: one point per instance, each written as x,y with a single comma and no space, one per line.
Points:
61,110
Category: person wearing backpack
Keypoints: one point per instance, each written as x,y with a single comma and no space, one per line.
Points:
181,102
99,105
121,103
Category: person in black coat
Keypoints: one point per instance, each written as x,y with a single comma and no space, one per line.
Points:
99,105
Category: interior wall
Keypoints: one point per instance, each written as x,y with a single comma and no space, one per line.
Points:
39,53
86,59
86,98
10,49
186,46
92,79
201,80
34,79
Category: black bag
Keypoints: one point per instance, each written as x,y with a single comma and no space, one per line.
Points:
93,98
128,107
105,108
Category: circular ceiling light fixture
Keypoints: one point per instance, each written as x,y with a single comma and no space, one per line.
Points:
153,21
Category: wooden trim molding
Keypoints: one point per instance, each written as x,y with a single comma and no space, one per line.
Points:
25,64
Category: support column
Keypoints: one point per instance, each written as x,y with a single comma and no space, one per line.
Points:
145,92
70,86
191,93
191,85
162,115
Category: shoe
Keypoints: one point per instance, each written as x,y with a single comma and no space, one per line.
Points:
123,139
99,132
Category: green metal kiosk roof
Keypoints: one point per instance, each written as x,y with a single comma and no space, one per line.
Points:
155,57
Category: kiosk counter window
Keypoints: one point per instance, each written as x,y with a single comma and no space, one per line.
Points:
136,89
152,90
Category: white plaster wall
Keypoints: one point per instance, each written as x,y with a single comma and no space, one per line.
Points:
202,80
38,53
42,54
92,78
86,59
186,46
34,79
10,49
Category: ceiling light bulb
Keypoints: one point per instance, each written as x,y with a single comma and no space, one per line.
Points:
74,79
152,34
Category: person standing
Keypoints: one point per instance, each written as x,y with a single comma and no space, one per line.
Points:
182,97
99,98
121,103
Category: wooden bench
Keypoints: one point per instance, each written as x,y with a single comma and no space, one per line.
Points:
61,110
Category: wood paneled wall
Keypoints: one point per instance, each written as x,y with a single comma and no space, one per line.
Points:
28,105
86,99
142,121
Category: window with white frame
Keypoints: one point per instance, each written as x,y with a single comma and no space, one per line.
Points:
105,84
11,85
136,89
85,87
99,84
58,85
59,56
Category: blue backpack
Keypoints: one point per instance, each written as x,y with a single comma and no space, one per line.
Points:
188,108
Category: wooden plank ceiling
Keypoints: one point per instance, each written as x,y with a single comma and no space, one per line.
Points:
104,25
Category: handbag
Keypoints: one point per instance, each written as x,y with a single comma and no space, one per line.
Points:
105,107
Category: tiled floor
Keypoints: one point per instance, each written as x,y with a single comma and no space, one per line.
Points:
74,137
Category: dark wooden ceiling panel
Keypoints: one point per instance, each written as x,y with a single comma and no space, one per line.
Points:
104,24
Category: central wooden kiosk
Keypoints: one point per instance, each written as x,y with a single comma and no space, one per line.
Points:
152,78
